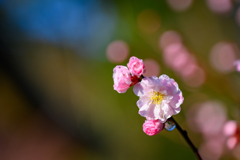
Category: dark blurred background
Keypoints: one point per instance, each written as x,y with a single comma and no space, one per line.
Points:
56,89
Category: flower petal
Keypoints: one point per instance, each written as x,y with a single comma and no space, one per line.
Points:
176,110
177,100
142,101
147,111
147,85
138,89
164,77
168,111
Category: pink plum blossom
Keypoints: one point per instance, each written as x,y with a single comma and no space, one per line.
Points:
121,78
152,127
159,98
136,66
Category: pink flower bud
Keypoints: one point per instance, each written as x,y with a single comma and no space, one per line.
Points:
121,78
136,66
152,127
232,142
230,128
237,64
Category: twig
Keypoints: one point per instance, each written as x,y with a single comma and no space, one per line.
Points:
185,136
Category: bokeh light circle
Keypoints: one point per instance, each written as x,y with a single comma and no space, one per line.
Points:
170,53
152,68
238,16
207,117
179,5
220,6
212,148
168,38
222,57
196,77
117,51
189,68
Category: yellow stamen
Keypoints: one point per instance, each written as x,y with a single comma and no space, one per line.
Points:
156,97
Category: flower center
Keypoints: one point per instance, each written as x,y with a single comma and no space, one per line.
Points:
156,97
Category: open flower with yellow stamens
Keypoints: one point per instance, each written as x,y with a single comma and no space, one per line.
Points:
160,98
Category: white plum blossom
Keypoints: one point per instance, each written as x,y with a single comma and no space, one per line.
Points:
159,98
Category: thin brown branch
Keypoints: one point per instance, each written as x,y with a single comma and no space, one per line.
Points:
185,136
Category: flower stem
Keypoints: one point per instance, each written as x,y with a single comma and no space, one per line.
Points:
185,136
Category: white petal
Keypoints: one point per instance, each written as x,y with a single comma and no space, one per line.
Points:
157,111
147,85
177,100
144,107
138,89
150,82
161,116
147,111
168,111
163,77
142,101
165,107
176,110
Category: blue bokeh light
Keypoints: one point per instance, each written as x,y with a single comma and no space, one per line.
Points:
79,24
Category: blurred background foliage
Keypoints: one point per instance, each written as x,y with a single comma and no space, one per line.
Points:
57,57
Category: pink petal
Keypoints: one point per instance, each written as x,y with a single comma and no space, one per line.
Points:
138,89
177,100
232,142
230,128
147,111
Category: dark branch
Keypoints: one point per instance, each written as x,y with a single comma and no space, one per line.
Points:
185,136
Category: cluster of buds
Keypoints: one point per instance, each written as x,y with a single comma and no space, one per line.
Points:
126,77
159,97
232,132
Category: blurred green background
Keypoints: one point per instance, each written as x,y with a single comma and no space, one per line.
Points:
56,93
